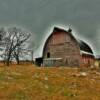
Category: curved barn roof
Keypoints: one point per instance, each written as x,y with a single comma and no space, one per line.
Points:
84,47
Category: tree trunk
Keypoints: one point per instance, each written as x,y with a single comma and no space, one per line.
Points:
7,62
8,59
17,58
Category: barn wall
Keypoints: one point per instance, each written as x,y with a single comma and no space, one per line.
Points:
62,45
87,60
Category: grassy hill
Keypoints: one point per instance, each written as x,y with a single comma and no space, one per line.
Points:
28,82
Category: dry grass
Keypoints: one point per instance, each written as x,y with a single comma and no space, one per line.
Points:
28,82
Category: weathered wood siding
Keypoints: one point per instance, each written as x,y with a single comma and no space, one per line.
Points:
87,60
62,45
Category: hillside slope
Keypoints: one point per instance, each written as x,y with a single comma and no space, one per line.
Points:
28,82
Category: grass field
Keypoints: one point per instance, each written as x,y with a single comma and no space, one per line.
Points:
28,82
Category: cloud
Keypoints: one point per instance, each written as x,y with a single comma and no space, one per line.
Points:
38,15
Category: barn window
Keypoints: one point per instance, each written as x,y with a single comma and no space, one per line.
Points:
48,55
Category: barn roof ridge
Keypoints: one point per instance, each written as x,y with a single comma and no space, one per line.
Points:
61,29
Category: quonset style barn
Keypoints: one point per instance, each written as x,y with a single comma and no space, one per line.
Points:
62,49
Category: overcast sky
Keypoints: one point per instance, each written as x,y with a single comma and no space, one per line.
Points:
37,16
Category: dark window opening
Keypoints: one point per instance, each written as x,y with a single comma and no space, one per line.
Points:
48,55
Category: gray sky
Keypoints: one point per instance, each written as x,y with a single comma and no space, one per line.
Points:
37,16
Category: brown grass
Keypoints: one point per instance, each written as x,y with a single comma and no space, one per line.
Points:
28,82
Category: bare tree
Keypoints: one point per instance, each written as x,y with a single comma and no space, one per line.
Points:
13,41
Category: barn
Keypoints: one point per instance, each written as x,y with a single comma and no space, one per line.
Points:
61,48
